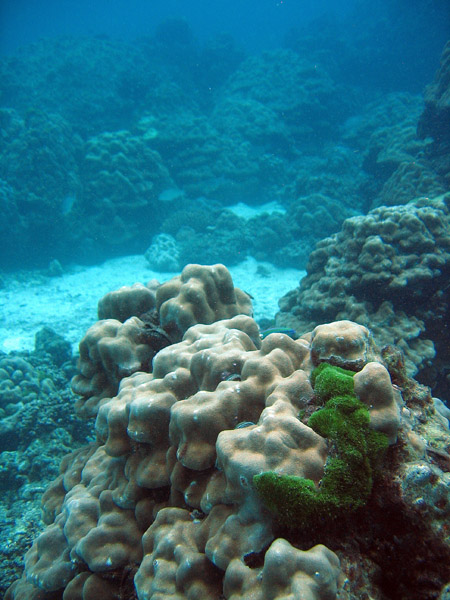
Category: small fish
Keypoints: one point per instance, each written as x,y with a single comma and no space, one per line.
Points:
171,195
233,377
398,388
244,424
290,332
67,204
227,376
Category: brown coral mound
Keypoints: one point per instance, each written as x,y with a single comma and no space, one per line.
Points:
178,433
163,504
199,295
137,321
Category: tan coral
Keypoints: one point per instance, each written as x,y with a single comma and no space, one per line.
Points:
210,382
127,352
344,344
91,530
176,424
114,541
279,442
174,565
196,422
201,294
167,488
213,349
109,351
70,475
127,301
373,387
87,586
48,564
287,574
24,590
146,403
235,533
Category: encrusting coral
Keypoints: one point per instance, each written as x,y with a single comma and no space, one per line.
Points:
164,504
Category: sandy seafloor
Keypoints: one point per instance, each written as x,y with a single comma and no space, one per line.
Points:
68,303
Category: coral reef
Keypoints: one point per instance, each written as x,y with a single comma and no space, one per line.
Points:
434,122
163,503
136,124
435,119
135,136
163,253
38,161
37,428
389,271
122,177
305,99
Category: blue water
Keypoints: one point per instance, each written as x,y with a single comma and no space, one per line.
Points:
256,23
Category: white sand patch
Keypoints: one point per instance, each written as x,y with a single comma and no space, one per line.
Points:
68,304
245,211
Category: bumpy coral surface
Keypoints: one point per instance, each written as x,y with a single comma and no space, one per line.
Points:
287,573
37,428
38,165
280,92
109,351
127,301
388,270
163,503
199,295
121,343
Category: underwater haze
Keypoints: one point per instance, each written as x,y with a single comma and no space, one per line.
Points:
256,24
224,299
402,29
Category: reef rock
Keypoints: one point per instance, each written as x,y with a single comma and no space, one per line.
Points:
388,270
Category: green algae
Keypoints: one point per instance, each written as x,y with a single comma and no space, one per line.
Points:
355,453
